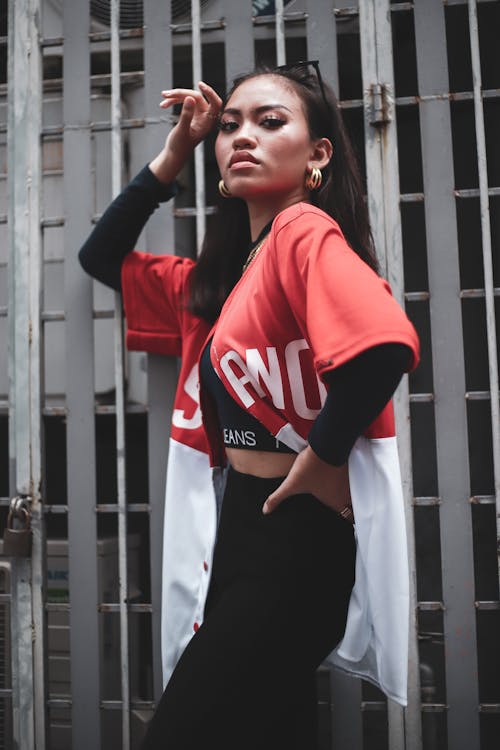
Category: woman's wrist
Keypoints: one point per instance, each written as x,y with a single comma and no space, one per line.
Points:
163,168
158,191
167,165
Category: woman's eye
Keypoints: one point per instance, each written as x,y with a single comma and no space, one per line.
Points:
227,126
272,122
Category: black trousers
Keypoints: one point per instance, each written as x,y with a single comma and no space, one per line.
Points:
276,607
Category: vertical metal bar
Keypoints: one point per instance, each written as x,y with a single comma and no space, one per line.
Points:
487,253
280,32
34,127
162,371
18,145
116,184
80,430
322,39
199,153
373,136
240,57
24,181
11,338
383,200
405,728
347,720
461,668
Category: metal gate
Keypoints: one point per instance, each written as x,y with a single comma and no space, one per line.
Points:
84,426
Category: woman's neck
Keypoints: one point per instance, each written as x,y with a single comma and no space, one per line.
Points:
260,213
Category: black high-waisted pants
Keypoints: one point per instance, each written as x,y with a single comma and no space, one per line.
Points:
276,607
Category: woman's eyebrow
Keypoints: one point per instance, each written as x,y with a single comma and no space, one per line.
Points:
256,110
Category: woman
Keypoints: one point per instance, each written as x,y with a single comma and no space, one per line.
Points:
299,346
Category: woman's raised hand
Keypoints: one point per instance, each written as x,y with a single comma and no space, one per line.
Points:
200,110
199,114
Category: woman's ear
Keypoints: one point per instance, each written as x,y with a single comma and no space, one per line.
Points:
322,153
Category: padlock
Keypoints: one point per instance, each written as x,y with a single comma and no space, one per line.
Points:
17,542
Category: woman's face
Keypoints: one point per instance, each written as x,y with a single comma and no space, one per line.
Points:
263,148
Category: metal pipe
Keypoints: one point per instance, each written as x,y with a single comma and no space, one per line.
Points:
38,553
487,254
280,32
449,409
24,240
83,572
116,154
199,152
384,208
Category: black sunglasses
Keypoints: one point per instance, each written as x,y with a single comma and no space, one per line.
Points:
304,65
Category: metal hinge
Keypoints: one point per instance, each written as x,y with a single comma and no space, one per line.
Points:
380,104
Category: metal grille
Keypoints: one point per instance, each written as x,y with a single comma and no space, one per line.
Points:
419,88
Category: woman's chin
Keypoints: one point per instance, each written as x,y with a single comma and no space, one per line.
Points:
261,194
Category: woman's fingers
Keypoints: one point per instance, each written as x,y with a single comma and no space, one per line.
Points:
286,489
294,483
169,100
207,92
187,112
273,501
200,110
180,94
206,99
213,98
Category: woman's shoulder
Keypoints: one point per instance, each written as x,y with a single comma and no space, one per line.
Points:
303,222
303,215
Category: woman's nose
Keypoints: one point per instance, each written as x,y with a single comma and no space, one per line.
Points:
244,137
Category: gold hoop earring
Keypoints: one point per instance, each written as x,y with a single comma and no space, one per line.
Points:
223,190
314,179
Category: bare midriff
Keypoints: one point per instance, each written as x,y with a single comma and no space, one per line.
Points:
262,464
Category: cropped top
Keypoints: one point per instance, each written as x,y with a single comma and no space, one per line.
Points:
239,428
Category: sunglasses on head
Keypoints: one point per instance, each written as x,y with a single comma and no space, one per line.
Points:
304,65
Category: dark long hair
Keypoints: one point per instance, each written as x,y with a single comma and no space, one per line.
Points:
227,239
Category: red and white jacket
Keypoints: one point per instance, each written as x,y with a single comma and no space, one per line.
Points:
305,305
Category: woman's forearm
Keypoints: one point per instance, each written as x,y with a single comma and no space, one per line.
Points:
118,229
358,392
167,165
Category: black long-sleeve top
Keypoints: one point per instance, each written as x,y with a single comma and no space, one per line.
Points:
358,390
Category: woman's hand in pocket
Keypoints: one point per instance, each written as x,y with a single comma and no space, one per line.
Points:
310,474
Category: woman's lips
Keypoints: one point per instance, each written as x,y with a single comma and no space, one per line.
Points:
242,165
242,160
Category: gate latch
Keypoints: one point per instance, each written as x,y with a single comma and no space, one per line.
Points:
17,535
380,110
